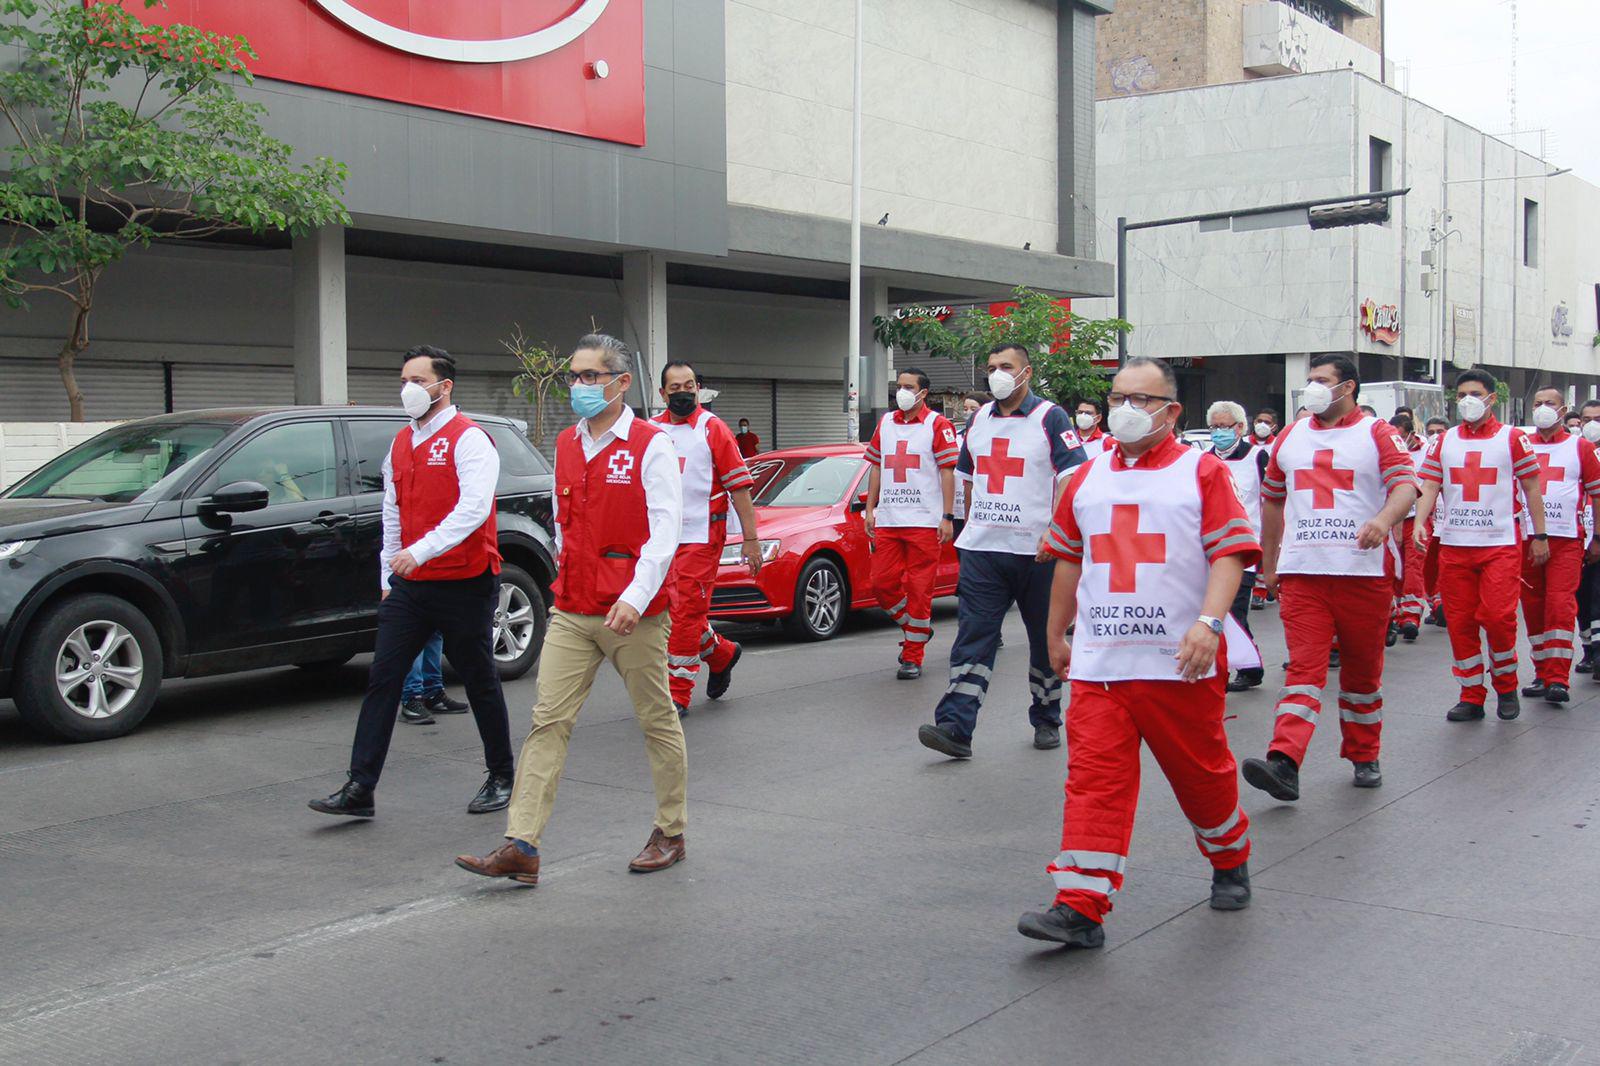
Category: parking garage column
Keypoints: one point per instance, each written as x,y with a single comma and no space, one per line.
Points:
321,356
1295,368
877,369
644,319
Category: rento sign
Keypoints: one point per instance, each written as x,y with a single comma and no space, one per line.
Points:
576,66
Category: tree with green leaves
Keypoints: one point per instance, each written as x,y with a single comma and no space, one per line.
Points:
123,133
542,374
1063,345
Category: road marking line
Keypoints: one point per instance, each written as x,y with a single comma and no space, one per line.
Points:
34,766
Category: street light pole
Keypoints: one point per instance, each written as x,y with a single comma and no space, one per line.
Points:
1122,288
852,366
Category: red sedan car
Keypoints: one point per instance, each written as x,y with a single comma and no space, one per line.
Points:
818,558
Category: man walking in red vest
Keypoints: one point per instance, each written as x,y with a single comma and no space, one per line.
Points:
619,510
439,569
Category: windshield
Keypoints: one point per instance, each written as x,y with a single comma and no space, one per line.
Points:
125,465
819,481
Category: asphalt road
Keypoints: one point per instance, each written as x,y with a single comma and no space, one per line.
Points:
849,896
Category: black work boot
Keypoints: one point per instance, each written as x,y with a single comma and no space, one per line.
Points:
1535,689
1585,665
1368,775
1392,637
415,712
944,742
1408,632
1465,712
1063,925
1230,889
717,681
351,801
1276,775
908,671
1557,693
1508,706
1046,736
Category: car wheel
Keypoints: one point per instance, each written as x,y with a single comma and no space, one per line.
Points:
89,669
322,665
820,601
520,620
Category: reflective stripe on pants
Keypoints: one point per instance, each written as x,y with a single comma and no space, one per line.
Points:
905,565
1480,586
1315,609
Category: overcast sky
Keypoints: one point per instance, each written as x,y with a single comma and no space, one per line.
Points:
1459,52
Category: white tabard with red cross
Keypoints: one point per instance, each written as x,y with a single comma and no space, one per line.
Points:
1561,483
908,490
1479,494
1013,482
1144,570
1334,487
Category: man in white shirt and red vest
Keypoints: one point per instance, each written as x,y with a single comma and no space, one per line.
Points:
1015,458
438,568
714,478
1086,418
1248,464
910,512
1411,593
1152,541
1569,479
1337,484
1475,468
618,512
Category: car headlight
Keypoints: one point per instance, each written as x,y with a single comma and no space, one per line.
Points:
14,548
733,554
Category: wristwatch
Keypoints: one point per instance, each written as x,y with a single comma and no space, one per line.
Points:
1540,536
1213,624
949,518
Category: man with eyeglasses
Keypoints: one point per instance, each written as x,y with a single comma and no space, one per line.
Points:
1248,464
714,477
1016,456
1338,482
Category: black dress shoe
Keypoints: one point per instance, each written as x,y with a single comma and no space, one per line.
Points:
1465,712
495,795
414,712
1535,689
719,680
908,671
1046,737
1368,775
1557,693
1230,889
351,801
1508,706
944,742
441,703
1276,775
1585,665
1408,632
1392,637
1063,925
1243,681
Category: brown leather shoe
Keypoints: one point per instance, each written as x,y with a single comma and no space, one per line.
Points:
505,861
661,852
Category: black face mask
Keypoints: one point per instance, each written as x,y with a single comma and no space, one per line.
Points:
682,404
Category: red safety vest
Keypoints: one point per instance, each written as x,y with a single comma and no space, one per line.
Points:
604,520
427,488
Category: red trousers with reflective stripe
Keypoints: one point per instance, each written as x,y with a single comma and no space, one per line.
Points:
905,561
1479,586
1430,573
691,638
1316,609
1550,608
1182,724
1411,592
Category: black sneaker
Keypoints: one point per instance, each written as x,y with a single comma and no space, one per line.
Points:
1063,925
683,708
1465,712
1437,618
944,742
719,680
1536,689
415,712
1243,681
1046,737
1392,638
441,703
495,795
1508,706
1368,775
1230,889
908,671
1557,693
1333,659
351,801
1585,665
1408,632
1276,775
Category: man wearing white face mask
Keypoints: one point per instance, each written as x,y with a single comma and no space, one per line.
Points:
1087,419
1016,456
910,512
1475,469
439,569
1248,465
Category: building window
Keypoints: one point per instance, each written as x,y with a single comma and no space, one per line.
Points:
1378,155
1321,10
1530,233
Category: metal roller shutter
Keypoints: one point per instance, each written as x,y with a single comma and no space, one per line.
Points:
810,412
745,398
112,390
197,386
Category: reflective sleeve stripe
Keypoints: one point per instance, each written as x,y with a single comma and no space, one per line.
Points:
1360,718
1067,880
977,670
1404,472
1244,540
1360,699
1527,466
1236,525
871,455
1108,861
1219,831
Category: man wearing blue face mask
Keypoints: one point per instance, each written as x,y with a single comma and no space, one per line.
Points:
1248,464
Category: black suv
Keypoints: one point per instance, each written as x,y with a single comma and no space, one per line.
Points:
210,542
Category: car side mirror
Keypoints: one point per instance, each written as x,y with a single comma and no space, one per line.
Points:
238,497
860,504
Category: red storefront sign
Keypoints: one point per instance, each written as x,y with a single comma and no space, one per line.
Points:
576,66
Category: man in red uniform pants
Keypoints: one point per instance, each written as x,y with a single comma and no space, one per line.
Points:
1411,594
1569,476
714,475
1475,468
1151,541
1338,483
910,514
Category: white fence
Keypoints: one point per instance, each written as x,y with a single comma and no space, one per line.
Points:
26,446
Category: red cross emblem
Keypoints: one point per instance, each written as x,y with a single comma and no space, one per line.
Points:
1548,473
1322,479
998,465
901,460
1473,477
1124,548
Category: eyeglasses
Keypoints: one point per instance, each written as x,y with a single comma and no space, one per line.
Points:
1141,400
588,377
